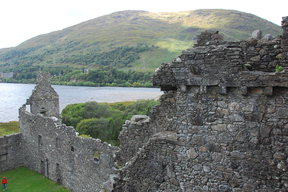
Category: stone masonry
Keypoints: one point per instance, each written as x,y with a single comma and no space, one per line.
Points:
44,100
221,126
222,123
11,155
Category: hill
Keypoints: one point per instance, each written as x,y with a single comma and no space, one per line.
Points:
126,40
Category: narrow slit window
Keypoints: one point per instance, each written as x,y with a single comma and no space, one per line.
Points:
40,141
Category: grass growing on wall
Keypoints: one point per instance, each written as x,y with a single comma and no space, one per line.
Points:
24,180
9,128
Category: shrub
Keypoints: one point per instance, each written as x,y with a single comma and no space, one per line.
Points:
103,120
278,68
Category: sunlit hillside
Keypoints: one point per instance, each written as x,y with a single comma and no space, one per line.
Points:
128,40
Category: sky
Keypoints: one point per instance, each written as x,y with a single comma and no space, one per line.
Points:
21,20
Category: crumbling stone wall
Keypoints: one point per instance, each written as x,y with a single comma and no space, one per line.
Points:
54,149
285,36
229,130
152,167
11,155
141,128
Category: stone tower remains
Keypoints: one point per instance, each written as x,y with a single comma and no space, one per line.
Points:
44,99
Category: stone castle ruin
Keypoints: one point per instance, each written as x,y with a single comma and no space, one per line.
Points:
222,125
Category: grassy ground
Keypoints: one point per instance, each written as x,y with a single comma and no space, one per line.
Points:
25,180
9,128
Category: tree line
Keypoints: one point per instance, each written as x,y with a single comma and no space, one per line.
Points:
104,120
101,76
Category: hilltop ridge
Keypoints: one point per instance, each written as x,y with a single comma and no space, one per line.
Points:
128,40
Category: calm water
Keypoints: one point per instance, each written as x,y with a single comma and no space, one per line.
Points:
13,96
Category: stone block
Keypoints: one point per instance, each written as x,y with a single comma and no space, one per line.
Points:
234,106
255,58
136,118
243,90
224,188
192,154
268,91
219,127
265,131
257,34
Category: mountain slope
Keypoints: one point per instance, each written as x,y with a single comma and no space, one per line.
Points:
136,40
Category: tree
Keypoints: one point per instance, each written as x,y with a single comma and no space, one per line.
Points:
96,128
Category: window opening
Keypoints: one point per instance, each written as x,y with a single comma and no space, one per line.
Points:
58,174
40,141
47,168
43,111
42,167
96,156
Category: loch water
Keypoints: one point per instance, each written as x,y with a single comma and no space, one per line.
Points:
13,96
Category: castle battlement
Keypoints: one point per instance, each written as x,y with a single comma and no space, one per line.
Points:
241,64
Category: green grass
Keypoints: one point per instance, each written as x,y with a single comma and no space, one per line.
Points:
150,60
174,45
25,180
9,128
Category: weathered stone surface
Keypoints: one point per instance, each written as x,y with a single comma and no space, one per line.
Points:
44,100
257,34
192,154
136,118
256,58
284,40
206,37
11,153
267,37
230,121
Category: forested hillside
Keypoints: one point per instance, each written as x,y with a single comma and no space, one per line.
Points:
125,42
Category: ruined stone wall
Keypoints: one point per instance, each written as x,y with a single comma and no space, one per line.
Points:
239,143
11,155
229,127
54,150
221,64
223,143
140,129
285,35
152,167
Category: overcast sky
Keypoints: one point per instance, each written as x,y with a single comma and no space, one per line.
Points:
23,19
